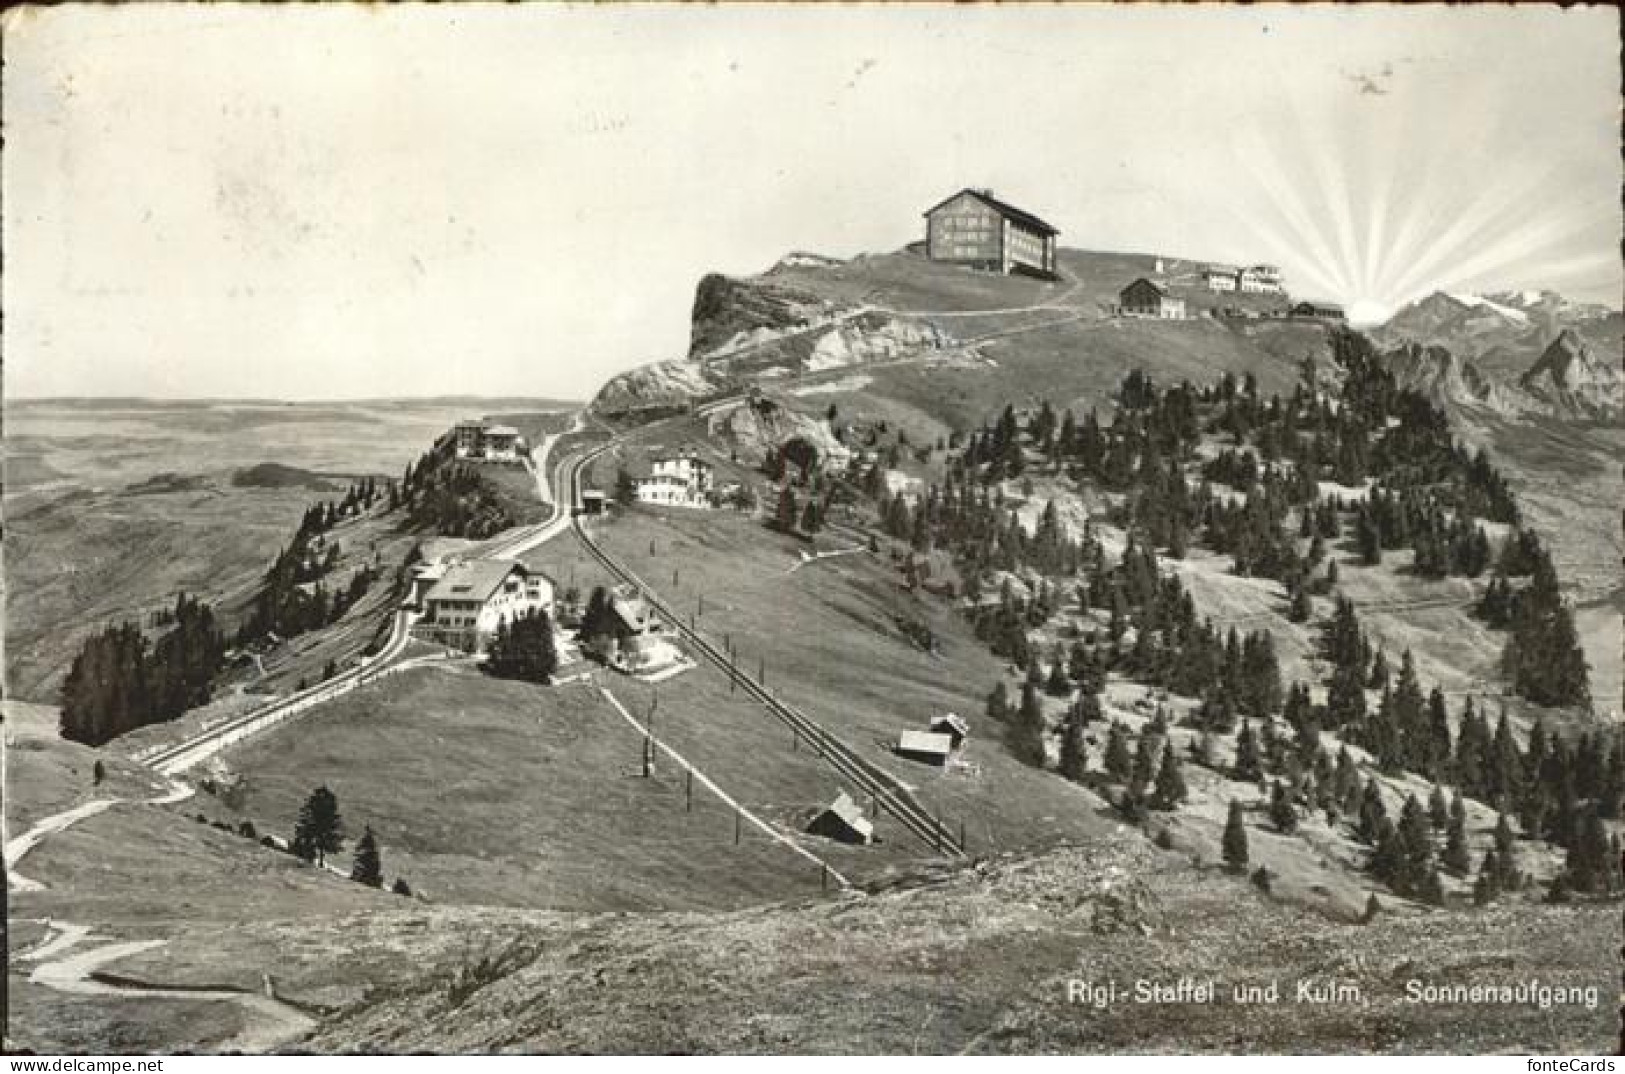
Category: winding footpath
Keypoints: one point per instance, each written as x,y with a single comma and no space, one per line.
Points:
273,1022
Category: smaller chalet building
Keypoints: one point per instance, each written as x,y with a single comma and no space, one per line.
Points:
680,480
637,641
1146,298
976,229
844,822
953,725
925,747
463,603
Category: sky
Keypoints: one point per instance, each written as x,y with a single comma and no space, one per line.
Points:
367,201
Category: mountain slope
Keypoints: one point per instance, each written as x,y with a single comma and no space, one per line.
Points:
980,339
1569,376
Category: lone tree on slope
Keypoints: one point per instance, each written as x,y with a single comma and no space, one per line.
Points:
368,868
319,830
1235,839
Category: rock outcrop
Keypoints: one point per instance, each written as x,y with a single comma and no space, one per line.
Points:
1571,378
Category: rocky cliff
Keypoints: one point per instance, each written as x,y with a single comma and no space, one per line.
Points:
1572,379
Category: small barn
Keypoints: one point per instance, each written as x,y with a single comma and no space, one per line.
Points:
592,501
953,725
844,822
925,747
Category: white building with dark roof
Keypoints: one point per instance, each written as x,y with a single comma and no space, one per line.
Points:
682,479
464,603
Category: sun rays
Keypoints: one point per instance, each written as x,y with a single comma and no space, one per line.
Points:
1360,207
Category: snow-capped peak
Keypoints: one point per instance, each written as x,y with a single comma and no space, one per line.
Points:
1480,301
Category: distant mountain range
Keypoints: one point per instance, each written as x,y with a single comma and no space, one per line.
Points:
1504,333
1512,352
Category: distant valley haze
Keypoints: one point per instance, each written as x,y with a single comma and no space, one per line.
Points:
358,203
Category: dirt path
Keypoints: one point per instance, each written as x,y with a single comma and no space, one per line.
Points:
271,1025
18,848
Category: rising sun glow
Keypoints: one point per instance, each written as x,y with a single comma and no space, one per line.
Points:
1365,312
1357,208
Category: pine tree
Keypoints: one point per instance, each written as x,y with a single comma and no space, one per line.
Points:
1282,812
1456,855
1074,760
1416,835
998,702
1131,803
1505,854
367,868
1588,866
1058,685
1169,790
1234,843
1026,733
1119,763
1145,759
1430,888
1247,769
1488,884
319,830
1373,814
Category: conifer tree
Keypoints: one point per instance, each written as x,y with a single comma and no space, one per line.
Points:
998,702
1488,884
1456,854
1145,758
1283,814
319,830
1169,790
1234,843
1373,814
1119,763
367,867
1026,732
1248,768
1074,759
1588,867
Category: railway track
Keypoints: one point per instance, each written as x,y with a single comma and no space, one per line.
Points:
886,793
175,759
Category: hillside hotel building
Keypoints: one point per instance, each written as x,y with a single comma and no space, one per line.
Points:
976,229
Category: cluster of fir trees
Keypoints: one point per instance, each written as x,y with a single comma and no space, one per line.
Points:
1170,647
358,499
120,680
523,648
1543,659
319,831
450,498
792,516
1445,541
294,597
1150,775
